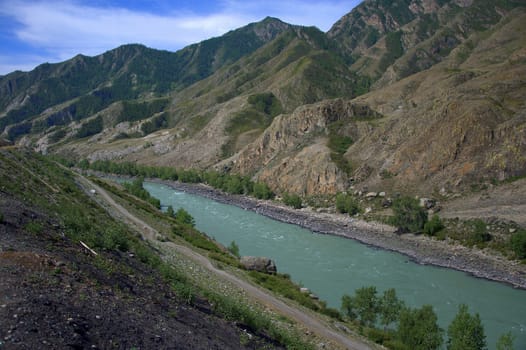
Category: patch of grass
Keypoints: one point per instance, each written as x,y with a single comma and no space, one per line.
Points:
282,285
34,227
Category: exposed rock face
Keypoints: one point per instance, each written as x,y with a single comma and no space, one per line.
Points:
260,264
291,155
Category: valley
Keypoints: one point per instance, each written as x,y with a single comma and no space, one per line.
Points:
401,127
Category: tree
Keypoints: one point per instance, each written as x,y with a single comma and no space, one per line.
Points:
390,307
505,341
418,329
348,307
408,215
184,217
364,305
466,331
233,248
170,211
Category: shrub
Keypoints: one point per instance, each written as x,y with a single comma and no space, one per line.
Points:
518,243
347,204
408,215
292,200
234,248
480,233
433,226
184,217
262,191
116,238
136,188
505,341
170,211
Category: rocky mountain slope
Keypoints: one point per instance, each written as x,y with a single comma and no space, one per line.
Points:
415,96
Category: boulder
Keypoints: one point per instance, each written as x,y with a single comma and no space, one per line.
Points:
427,203
260,264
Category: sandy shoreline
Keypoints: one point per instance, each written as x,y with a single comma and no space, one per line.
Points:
420,249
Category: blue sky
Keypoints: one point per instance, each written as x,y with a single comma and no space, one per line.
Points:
37,31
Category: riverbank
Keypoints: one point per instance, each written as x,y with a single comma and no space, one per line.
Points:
420,249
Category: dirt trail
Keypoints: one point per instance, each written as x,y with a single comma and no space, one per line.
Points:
270,301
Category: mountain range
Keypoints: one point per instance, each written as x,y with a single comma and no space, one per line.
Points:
415,96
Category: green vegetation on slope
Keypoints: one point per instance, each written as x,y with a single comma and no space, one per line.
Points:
260,113
54,190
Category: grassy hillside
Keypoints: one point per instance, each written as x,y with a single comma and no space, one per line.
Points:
119,292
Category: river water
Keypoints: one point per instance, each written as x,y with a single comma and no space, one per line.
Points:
332,266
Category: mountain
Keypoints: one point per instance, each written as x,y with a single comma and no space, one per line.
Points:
413,96
129,72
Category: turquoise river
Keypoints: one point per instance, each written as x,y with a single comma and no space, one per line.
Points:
332,266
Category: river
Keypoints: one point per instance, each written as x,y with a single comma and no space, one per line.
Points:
331,266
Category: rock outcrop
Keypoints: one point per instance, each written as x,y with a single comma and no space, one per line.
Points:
261,264
292,154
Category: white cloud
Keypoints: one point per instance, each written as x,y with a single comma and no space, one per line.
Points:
67,27
64,28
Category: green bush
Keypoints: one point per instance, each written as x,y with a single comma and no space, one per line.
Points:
292,200
136,188
347,204
433,226
480,233
408,215
518,243
262,191
184,217
116,238
233,248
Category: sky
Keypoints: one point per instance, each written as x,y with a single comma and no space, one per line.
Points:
33,32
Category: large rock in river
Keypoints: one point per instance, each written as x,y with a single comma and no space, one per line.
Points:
260,264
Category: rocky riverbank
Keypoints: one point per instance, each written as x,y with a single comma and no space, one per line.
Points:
420,249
